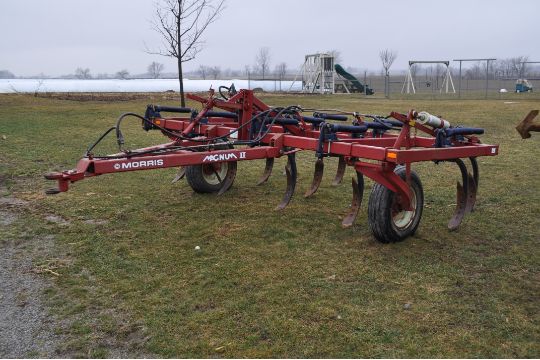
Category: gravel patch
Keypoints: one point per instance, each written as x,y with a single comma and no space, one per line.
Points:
7,218
26,328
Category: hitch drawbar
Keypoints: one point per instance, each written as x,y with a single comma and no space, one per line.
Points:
206,145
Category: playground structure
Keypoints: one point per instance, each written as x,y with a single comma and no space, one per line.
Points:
207,144
321,75
318,74
349,83
408,84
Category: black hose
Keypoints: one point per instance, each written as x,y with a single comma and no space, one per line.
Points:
269,126
220,93
98,140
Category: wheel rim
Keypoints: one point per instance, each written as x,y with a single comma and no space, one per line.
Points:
214,174
402,218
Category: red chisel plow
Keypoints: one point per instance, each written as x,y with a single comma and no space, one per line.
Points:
207,144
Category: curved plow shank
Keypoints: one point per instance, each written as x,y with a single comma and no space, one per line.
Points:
476,178
525,127
456,220
180,175
462,198
342,165
471,194
358,192
476,172
229,179
290,170
267,171
317,178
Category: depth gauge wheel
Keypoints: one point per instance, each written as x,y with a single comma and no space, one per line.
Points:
388,221
216,177
209,178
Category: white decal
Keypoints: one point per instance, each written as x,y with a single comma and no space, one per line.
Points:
138,164
222,157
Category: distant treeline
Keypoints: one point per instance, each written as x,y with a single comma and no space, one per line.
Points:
509,68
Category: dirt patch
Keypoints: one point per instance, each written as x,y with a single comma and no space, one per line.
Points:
57,220
96,222
11,201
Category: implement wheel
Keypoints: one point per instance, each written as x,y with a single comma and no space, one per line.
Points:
211,178
214,177
388,221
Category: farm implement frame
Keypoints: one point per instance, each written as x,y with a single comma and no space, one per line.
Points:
206,145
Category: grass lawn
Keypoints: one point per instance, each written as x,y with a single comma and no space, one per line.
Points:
278,284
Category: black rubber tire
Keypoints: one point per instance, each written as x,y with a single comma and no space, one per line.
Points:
197,175
197,178
380,211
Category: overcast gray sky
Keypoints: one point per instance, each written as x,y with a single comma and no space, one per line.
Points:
57,36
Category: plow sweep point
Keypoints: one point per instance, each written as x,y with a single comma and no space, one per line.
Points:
229,179
456,220
180,175
317,178
291,173
342,165
267,171
466,194
358,192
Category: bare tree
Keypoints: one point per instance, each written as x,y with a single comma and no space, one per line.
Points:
247,70
262,61
81,73
215,71
509,67
387,59
518,66
501,68
181,24
155,69
122,74
281,70
6,74
203,71
475,72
